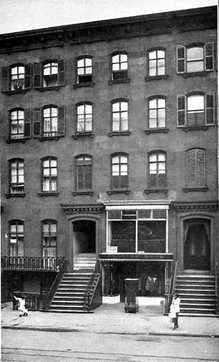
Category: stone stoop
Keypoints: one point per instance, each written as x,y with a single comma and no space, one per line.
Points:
69,297
197,294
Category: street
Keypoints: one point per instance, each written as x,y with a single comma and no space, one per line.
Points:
41,346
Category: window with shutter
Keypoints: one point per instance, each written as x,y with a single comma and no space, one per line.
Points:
17,124
195,58
36,122
196,168
27,123
50,121
5,79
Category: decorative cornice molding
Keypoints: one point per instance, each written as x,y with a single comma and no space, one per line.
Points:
197,206
82,209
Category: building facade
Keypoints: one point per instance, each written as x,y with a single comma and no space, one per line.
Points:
109,147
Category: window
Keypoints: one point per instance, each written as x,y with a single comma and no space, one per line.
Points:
156,62
16,78
157,169
17,123
84,70
197,58
157,113
195,110
49,172
120,116
195,168
16,238
119,66
49,238
83,173
50,122
84,118
16,176
119,171
49,74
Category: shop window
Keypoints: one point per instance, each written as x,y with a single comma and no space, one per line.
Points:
119,165
157,113
49,238
152,236
195,58
157,170
120,116
156,63
84,70
16,167
16,238
83,173
49,175
49,74
119,66
196,110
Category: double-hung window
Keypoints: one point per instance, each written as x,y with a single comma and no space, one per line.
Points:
16,238
156,62
50,121
49,74
49,238
17,124
119,66
196,110
157,112
83,173
16,78
120,116
157,169
84,117
16,177
195,58
49,175
84,70
119,164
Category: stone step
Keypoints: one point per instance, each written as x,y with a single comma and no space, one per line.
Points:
200,315
197,305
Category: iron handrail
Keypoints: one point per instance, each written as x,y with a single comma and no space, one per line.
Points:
91,287
30,263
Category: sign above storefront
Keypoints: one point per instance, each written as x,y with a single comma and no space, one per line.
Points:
136,257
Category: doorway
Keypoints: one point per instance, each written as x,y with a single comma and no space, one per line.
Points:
84,236
197,244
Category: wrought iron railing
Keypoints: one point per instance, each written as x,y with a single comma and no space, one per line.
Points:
46,298
92,294
31,263
216,271
172,284
32,300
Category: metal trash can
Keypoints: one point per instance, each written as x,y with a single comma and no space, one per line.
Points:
131,289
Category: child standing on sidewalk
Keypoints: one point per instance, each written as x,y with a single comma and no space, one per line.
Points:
21,307
175,309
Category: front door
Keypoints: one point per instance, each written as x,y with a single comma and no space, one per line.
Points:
84,237
197,244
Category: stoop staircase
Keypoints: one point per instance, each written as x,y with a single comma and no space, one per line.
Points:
69,297
197,294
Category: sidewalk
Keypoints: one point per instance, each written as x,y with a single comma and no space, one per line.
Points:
111,319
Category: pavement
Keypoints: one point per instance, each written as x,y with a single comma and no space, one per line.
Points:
111,319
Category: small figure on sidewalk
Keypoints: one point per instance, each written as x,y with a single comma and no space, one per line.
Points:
21,306
175,309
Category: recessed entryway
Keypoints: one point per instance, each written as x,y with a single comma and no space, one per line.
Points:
84,236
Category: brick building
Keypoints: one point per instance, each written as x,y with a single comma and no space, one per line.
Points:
109,151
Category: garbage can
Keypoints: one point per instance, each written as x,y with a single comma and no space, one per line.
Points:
131,289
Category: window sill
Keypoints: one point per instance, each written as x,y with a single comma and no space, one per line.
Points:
51,138
158,190
15,140
195,189
48,193
119,191
194,128
119,133
44,89
85,84
156,130
81,193
15,195
195,74
21,91
156,77
118,81
83,134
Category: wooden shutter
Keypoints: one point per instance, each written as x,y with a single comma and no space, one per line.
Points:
61,120
27,121
87,176
200,168
27,82
196,168
5,79
209,56
37,122
181,102
61,72
190,168
209,108
37,75
181,59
